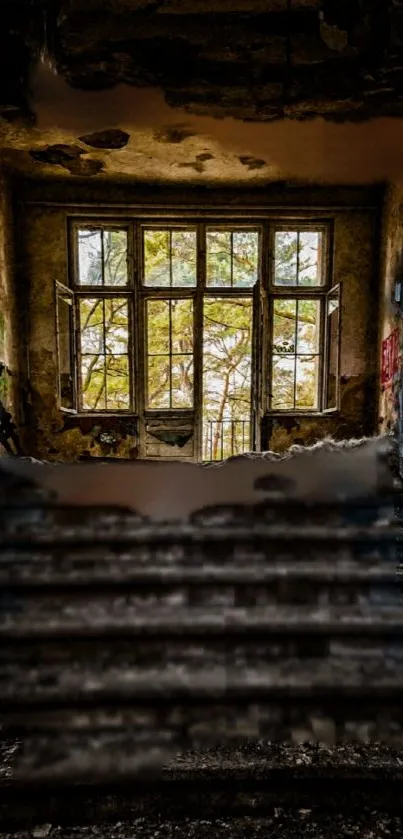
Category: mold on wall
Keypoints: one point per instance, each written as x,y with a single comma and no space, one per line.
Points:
50,434
9,365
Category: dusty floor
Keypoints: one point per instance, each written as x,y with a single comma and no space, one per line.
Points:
281,825
279,822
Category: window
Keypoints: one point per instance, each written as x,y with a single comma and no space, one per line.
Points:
299,286
197,324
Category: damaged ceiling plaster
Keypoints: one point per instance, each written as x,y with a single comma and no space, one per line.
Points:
213,92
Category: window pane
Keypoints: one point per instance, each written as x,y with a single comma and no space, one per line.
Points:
227,351
298,258
104,331
282,387
245,258
284,326
218,265
183,249
170,258
285,257
232,258
158,370
65,361
117,383
157,266
295,354
93,382
91,312
182,326
170,353
310,258
115,257
308,326
89,257
116,325
182,381
306,391
158,327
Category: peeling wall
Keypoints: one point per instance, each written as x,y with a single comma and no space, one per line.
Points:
391,391
8,310
43,230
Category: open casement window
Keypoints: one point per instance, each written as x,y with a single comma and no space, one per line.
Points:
331,378
65,340
299,287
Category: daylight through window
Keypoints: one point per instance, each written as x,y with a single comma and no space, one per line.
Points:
162,320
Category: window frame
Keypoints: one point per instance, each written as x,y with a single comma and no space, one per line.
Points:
295,292
82,291
267,224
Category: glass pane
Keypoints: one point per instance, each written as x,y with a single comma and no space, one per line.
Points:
157,326
282,386
65,337
284,326
91,325
89,257
306,393
227,350
183,257
115,257
157,264
218,265
308,326
117,383
182,326
310,258
116,325
285,257
93,382
182,381
245,258
158,381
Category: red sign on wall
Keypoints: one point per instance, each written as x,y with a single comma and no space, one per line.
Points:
390,357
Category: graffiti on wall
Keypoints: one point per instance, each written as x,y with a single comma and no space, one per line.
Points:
390,358
391,379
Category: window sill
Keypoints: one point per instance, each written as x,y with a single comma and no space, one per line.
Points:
303,414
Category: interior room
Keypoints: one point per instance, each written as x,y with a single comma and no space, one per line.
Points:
200,226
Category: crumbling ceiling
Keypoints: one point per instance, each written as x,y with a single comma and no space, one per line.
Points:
203,91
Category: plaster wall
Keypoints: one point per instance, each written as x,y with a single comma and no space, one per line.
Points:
43,231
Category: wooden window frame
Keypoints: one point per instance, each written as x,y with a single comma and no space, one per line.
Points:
296,292
137,294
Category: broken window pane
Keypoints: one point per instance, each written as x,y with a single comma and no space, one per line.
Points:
295,354
170,258
104,344
298,258
227,356
102,257
232,258
170,354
